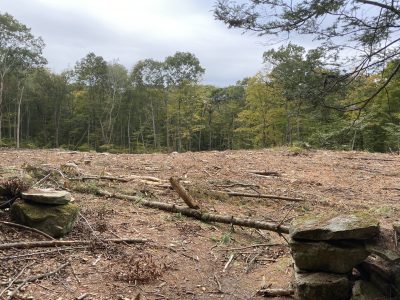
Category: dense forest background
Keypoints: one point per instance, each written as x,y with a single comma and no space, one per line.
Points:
162,105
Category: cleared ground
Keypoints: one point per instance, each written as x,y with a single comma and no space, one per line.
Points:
185,258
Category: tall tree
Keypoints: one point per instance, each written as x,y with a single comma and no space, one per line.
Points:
367,27
92,74
182,70
19,50
148,75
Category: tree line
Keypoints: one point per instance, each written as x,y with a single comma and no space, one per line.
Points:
163,106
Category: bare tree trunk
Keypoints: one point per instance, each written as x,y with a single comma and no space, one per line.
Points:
129,131
1,100
166,119
154,124
179,127
19,115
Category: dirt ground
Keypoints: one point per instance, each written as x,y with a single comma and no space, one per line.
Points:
186,258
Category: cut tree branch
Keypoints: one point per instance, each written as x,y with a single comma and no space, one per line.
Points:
183,193
236,194
276,292
202,216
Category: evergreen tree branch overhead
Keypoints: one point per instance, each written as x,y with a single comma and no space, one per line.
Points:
369,29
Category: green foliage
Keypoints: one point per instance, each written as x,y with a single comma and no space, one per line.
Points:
161,106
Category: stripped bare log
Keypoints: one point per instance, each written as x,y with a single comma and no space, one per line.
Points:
183,193
276,292
237,194
197,214
55,243
27,228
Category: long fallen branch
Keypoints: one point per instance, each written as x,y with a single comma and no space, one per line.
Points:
237,194
199,215
55,243
27,228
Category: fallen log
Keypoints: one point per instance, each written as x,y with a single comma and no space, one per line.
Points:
265,173
237,194
276,292
197,214
55,243
183,193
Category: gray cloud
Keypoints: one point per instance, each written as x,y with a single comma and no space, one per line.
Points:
134,30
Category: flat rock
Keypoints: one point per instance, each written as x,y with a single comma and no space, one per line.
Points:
47,196
318,286
343,227
339,257
55,220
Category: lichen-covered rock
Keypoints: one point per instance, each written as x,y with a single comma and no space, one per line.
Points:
55,220
47,196
345,227
340,257
365,290
318,286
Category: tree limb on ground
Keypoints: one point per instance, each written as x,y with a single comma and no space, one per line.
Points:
183,193
197,214
237,194
55,243
276,292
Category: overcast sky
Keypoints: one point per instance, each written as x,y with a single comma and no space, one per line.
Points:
130,30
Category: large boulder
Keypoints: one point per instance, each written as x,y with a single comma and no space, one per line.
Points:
55,220
47,196
318,286
340,257
345,227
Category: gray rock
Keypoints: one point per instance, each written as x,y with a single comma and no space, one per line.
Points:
47,196
340,257
55,220
318,286
364,290
346,227
386,254
380,273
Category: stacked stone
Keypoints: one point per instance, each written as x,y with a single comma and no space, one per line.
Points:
47,210
325,250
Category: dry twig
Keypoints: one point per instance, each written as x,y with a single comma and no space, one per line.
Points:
27,228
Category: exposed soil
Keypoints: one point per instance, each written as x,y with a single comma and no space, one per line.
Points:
185,258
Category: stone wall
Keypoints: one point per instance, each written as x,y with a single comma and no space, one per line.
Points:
342,257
